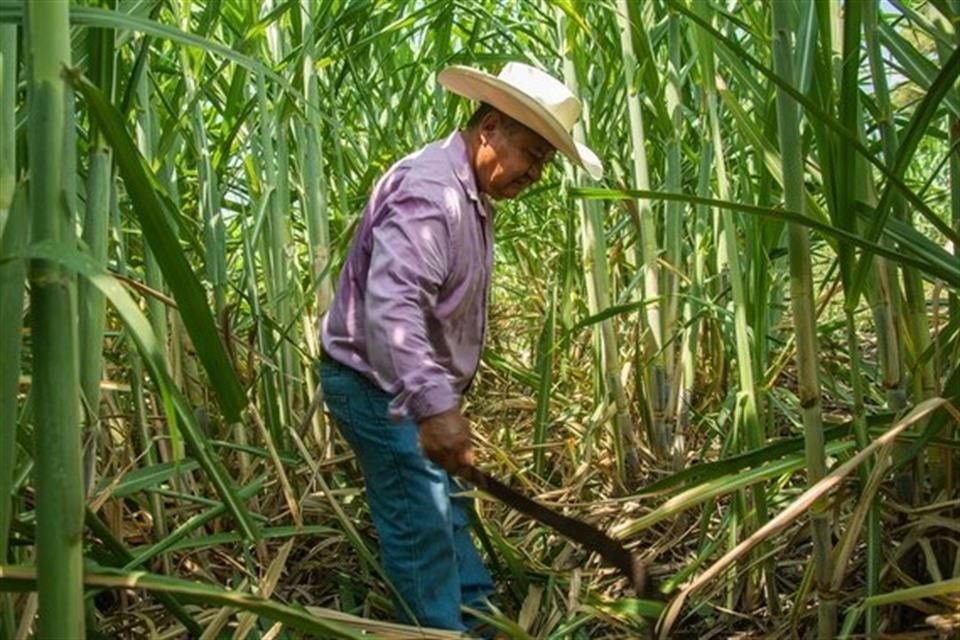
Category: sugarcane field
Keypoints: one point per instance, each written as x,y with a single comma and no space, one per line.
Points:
502,319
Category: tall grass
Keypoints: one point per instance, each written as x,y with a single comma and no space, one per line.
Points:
734,315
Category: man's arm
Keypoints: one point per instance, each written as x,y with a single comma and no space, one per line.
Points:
408,264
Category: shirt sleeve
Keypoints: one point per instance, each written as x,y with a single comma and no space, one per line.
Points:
408,264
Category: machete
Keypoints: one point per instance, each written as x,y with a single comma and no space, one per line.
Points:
589,536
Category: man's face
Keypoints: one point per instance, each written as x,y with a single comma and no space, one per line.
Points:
511,157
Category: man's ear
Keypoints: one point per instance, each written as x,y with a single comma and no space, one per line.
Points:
488,124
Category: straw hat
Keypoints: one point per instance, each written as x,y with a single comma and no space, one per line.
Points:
531,97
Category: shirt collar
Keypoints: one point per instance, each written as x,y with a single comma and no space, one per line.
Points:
456,149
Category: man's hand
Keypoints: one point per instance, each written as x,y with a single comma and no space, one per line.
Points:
445,439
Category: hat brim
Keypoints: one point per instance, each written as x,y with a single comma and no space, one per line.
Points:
483,87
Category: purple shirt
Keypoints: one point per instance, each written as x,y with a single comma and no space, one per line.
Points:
410,307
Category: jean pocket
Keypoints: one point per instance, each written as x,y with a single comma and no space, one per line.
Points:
338,406
341,409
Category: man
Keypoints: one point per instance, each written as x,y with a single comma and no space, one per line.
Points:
403,337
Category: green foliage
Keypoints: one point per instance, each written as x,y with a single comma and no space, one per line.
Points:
646,364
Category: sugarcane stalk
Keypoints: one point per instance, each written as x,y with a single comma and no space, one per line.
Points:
954,121
146,137
746,416
95,229
804,316
594,249
946,475
14,235
214,232
673,235
58,476
658,380
955,172
274,400
316,211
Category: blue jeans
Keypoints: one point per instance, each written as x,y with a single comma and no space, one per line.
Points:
425,544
